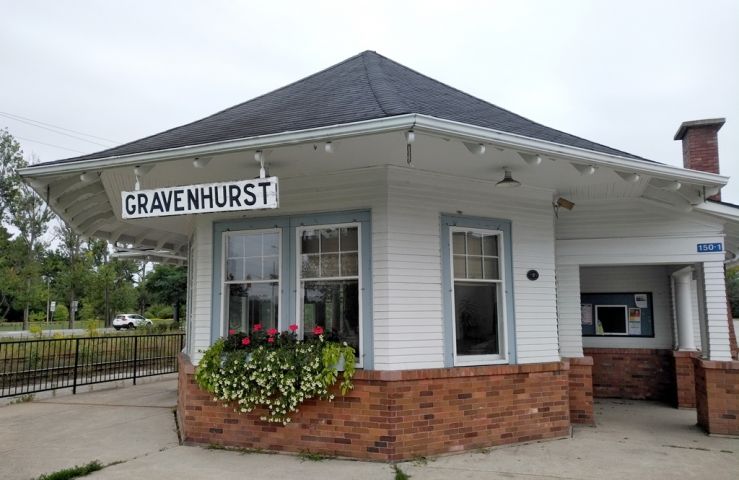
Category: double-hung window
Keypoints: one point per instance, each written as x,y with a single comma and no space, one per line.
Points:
479,301
309,270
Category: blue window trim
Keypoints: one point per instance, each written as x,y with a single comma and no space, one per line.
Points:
288,287
464,221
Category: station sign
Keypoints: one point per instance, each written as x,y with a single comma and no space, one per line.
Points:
255,194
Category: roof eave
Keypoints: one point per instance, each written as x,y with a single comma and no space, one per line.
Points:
418,122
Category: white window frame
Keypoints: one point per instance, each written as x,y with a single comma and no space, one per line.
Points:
492,359
299,293
224,269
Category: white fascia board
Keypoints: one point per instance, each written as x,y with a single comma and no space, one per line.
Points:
425,123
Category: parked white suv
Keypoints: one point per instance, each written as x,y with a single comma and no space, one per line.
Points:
130,320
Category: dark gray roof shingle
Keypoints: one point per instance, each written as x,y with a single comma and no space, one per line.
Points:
364,87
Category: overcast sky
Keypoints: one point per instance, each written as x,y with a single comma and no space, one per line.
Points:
622,73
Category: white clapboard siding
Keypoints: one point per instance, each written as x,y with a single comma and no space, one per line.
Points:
416,200
637,279
716,312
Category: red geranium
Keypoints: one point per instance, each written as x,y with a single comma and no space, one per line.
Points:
231,331
257,327
318,330
293,328
245,341
272,332
271,339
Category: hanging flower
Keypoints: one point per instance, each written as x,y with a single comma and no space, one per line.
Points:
318,330
245,341
272,332
257,327
232,332
293,327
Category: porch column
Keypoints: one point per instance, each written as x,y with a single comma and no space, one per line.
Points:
717,327
684,309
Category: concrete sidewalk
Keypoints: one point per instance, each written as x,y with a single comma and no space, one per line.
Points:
135,425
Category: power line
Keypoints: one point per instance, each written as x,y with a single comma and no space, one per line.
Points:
20,118
49,144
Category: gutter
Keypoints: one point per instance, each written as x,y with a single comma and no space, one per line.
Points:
417,122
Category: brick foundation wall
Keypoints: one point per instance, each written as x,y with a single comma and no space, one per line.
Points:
633,373
717,396
684,378
581,390
397,415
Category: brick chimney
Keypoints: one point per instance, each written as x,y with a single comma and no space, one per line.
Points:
700,145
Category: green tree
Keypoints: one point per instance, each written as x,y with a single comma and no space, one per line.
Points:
11,160
73,280
168,285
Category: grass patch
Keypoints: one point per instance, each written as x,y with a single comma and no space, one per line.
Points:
400,474
243,451
73,472
22,399
312,456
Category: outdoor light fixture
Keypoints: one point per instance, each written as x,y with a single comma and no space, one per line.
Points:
530,159
564,203
88,177
508,181
410,137
329,147
584,169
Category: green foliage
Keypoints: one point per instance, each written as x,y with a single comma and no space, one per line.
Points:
732,289
167,284
400,474
74,472
91,327
38,317
277,375
159,311
36,330
61,313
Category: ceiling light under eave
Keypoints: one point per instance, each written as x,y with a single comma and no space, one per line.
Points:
584,169
629,177
508,181
475,148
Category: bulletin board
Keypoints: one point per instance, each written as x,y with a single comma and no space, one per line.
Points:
617,314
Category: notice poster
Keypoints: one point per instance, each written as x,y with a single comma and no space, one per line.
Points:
635,321
641,300
586,313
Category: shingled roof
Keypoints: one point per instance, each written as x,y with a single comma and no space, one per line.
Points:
364,87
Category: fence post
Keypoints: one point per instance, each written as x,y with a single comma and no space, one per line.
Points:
76,364
135,356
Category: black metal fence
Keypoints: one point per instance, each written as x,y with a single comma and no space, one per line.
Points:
29,366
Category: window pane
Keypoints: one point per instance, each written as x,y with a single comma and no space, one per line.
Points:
474,267
460,269
248,304
253,245
253,268
349,266
490,268
458,246
330,265
234,269
474,243
612,319
235,246
271,267
490,245
334,305
476,318
329,240
270,244
349,239
309,268
309,242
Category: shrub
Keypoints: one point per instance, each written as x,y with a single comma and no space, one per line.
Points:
159,311
61,314
37,317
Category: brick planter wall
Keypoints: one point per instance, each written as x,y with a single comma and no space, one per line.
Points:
581,390
684,378
396,415
633,373
717,396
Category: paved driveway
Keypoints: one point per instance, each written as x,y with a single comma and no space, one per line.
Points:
135,425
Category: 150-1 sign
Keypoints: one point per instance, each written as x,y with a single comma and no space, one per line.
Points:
258,193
